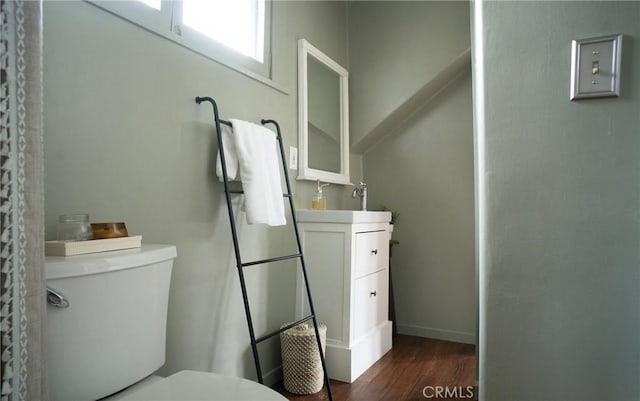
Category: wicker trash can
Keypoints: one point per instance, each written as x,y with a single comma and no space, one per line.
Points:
301,363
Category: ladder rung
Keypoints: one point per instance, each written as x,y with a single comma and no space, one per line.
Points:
287,327
240,191
276,259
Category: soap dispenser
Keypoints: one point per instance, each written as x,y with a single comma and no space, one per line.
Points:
319,200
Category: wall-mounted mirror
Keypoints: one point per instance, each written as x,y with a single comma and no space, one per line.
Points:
323,112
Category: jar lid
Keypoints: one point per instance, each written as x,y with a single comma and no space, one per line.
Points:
74,218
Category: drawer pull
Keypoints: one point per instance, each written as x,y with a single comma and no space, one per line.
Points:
373,294
374,251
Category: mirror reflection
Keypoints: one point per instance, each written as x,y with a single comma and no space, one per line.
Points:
323,86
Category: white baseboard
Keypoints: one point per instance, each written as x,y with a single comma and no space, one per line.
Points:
347,364
273,377
440,334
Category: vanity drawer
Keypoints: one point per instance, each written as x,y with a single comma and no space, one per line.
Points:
371,252
371,299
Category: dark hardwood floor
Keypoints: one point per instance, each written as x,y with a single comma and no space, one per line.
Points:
411,371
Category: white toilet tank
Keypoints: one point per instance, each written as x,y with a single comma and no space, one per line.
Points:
112,334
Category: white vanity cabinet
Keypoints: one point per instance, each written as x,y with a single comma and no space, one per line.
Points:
347,261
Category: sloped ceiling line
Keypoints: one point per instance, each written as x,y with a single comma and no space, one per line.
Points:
389,125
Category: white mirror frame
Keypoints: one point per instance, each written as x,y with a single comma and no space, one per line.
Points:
305,49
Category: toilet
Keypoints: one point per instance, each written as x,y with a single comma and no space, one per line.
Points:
106,331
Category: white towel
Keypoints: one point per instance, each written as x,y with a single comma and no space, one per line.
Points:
230,155
257,161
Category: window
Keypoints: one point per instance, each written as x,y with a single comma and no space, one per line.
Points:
233,32
152,3
238,24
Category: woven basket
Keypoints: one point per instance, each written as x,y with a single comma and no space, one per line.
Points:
301,363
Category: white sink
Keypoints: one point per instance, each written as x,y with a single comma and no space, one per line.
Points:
341,216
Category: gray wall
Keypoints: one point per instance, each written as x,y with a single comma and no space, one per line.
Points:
423,170
395,47
124,141
558,202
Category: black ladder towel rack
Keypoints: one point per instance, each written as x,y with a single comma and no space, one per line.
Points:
236,246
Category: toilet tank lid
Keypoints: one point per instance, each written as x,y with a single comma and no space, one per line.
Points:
94,263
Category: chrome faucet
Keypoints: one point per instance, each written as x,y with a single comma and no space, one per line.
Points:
362,193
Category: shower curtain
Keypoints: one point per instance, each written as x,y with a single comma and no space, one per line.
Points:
22,286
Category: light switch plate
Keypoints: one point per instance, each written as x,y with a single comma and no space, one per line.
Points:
293,158
595,67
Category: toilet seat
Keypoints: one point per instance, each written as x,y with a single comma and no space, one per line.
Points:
192,385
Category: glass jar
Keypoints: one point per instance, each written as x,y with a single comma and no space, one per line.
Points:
74,227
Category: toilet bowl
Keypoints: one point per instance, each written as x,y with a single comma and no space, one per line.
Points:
106,322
